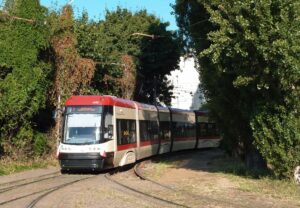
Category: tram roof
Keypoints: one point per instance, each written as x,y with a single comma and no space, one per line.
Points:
94,100
201,113
181,111
143,106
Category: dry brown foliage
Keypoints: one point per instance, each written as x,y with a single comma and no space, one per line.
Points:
127,82
72,72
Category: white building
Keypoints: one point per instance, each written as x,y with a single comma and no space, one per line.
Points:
185,80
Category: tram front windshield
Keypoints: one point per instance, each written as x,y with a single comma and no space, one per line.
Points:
82,127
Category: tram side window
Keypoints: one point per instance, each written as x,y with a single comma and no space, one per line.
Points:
154,130
211,129
208,129
183,129
178,130
203,129
126,131
165,130
148,130
190,130
144,132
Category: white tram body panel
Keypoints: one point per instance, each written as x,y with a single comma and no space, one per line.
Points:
104,132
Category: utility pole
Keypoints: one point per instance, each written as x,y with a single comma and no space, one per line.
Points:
152,36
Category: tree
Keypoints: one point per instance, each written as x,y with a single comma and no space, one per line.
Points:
24,73
72,73
109,41
249,57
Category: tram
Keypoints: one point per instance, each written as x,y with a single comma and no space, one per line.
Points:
101,132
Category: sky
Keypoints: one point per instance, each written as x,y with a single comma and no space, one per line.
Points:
96,8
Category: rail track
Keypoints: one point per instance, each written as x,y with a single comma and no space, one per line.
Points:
34,197
29,181
181,192
141,176
109,177
39,198
43,192
192,196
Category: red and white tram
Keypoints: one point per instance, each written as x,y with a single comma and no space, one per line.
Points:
104,131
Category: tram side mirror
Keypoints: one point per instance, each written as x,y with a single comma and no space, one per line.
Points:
110,130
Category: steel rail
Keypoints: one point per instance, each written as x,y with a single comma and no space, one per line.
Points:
108,177
193,196
141,176
39,198
3,190
27,179
47,190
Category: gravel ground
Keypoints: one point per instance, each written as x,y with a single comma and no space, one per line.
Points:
191,181
192,174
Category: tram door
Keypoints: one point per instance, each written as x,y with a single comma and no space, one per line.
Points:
149,134
126,136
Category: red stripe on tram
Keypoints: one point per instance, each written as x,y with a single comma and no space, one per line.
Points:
150,142
126,146
209,137
185,139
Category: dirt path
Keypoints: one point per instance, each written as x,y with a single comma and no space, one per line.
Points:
21,189
189,175
192,173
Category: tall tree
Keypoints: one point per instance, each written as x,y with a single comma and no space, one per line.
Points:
249,57
23,73
109,41
72,73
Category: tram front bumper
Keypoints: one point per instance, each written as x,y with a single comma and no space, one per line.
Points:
81,161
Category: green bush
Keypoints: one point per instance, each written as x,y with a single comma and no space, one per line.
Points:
40,145
249,53
277,137
24,73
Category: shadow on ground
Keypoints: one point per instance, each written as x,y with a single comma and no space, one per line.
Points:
210,160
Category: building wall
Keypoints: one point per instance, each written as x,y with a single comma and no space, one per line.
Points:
185,80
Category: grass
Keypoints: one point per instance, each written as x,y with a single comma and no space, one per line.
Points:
236,167
9,166
161,167
281,189
256,182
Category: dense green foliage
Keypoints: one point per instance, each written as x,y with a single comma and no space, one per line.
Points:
23,74
47,56
249,52
107,41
